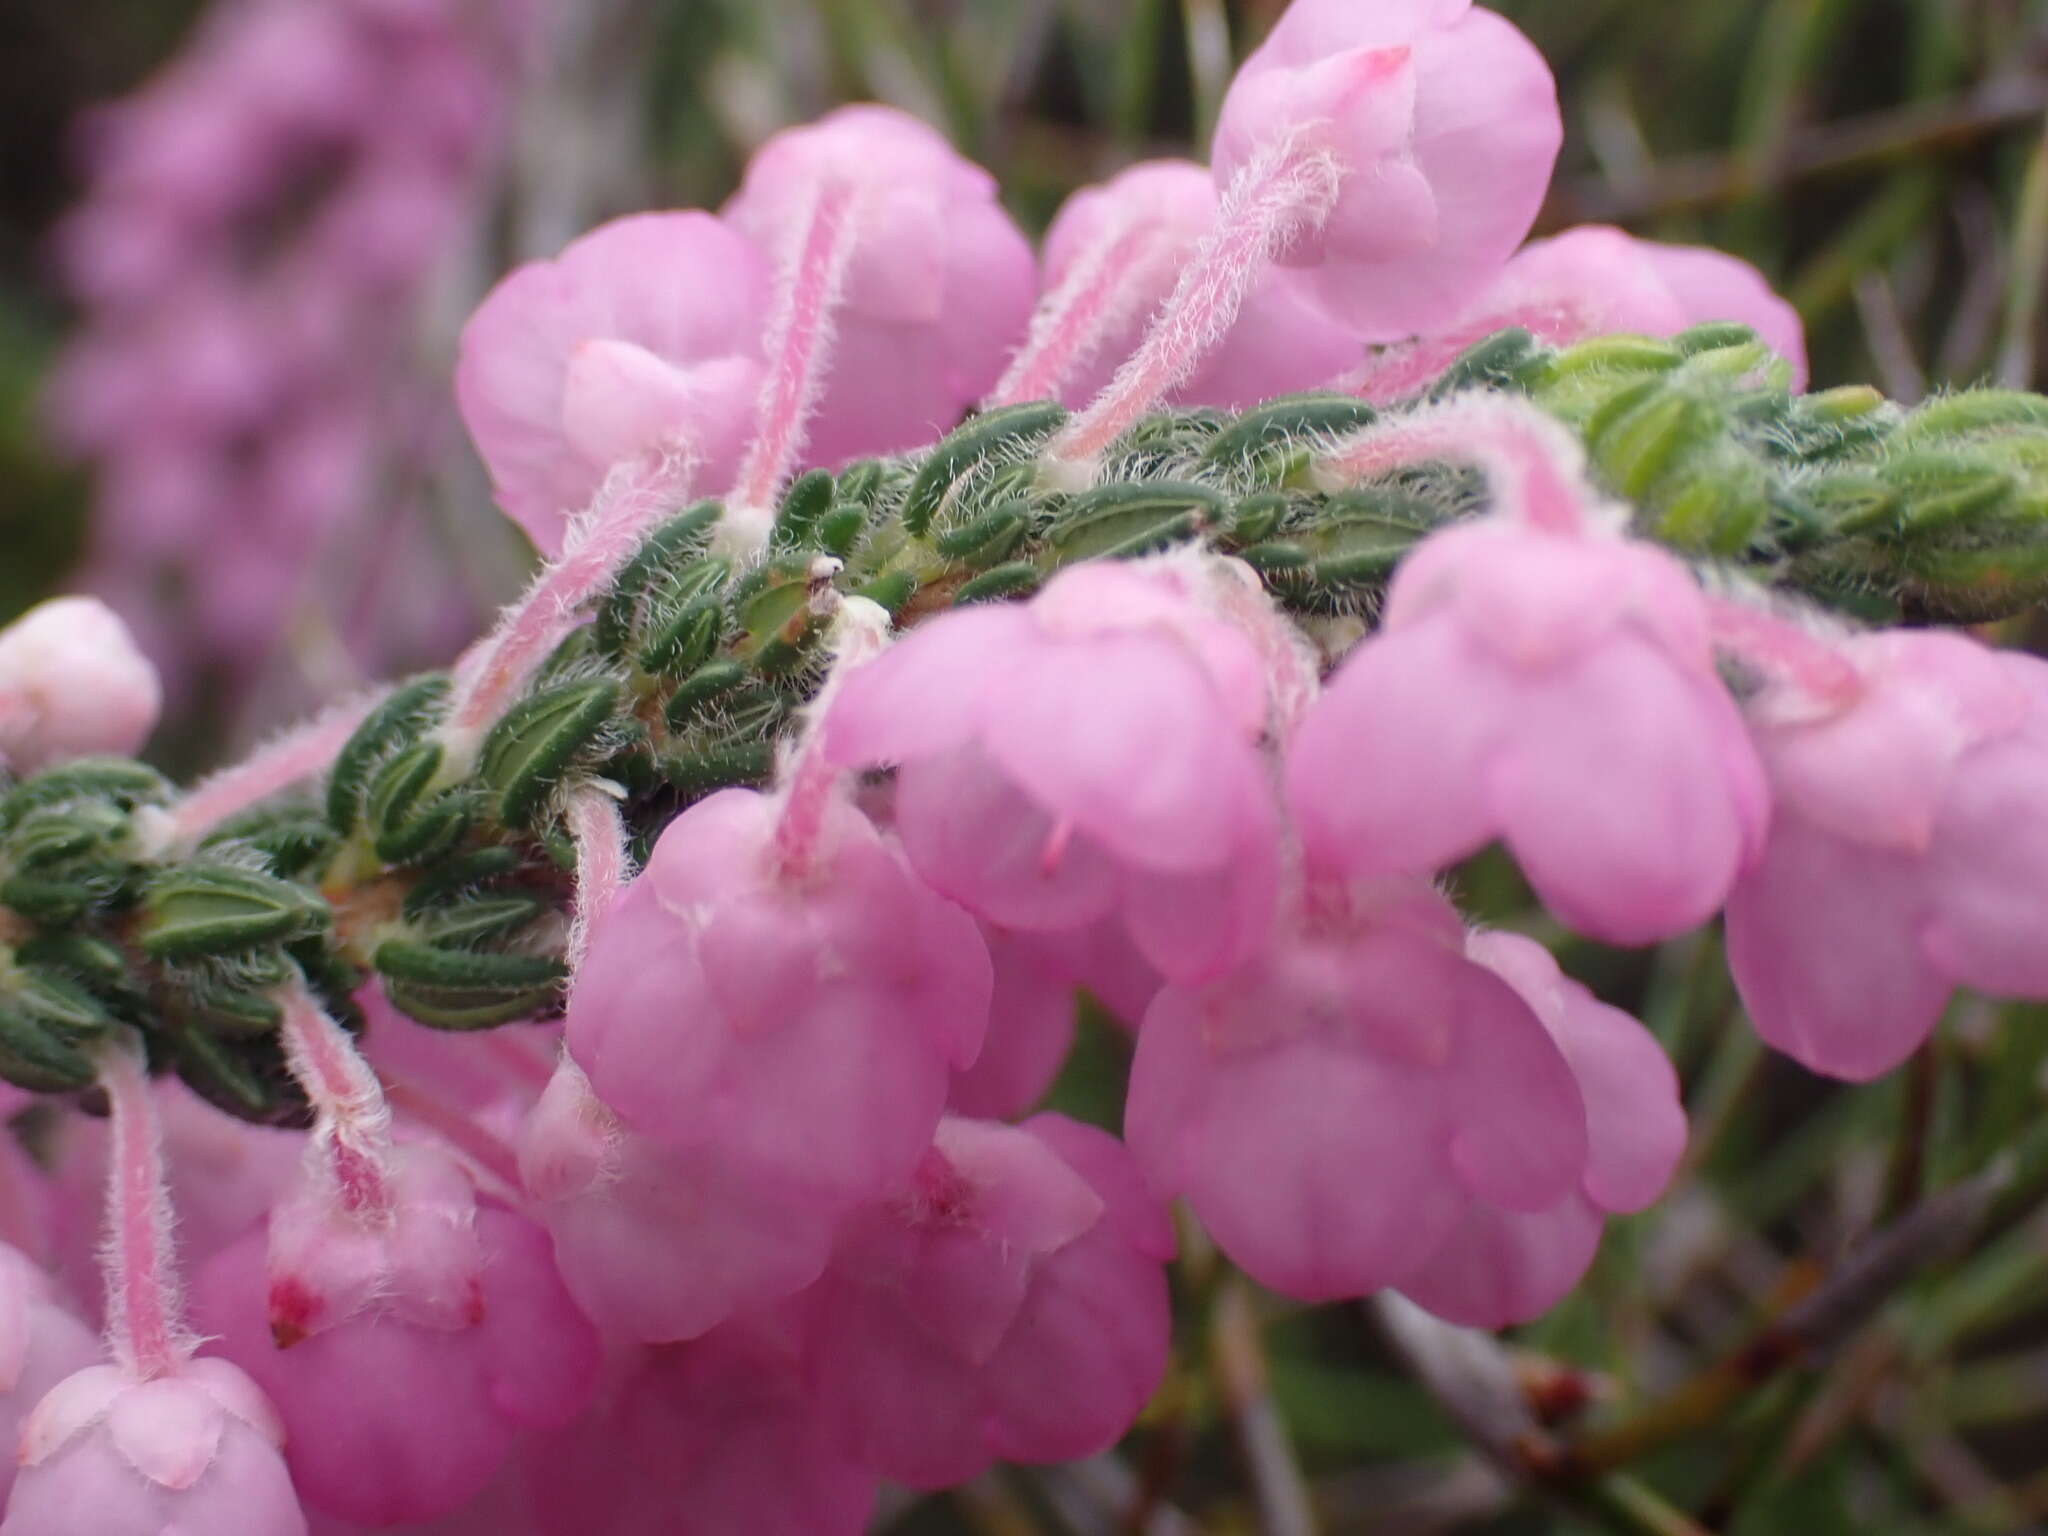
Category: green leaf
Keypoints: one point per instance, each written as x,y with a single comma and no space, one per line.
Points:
114,780
676,541
196,910
411,709
1008,433
700,689
530,751
40,1059
1286,422
1115,522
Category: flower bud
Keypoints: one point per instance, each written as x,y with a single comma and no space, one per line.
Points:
72,684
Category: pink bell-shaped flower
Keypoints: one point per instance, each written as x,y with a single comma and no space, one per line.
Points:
806,1019
775,1034
1092,752
642,337
1543,680
405,1355
195,1449
932,280
1501,1266
657,1243
721,1434
1009,1304
1593,280
1333,1109
1444,124
1908,852
1112,258
72,684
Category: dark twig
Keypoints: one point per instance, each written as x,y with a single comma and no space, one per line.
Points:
1240,1363
1864,1282
1475,1380
1835,149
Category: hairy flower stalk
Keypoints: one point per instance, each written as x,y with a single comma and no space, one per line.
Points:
146,1332
603,862
1287,190
298,755
352,1122
1101,289
1536,469
798,348
857,630
634,496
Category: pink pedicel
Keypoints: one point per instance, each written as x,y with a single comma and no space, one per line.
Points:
1444,121
1591,281
1113,257
1501,1266
224,1175
1092,752
155,1441
72,684
933,288
1906,849
1549,686
641,338
1009,1304
1333,1110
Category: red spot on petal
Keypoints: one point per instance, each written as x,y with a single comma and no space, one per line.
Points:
293,1311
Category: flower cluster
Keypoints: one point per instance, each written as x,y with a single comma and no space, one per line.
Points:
565,1196
264,221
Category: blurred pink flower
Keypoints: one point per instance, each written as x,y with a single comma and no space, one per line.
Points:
1444,121
642,336
1908,853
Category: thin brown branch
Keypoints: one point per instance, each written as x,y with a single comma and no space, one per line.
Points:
1841,148
1862,1284
1239,1357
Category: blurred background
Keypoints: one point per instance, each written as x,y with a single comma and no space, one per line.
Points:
236,243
